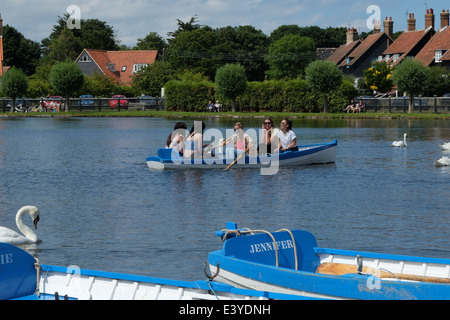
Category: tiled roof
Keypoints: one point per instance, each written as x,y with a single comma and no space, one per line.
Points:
365,45
440,41
446,56
123,61
343,51
406,42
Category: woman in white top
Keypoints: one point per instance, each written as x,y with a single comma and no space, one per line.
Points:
286,137
193,147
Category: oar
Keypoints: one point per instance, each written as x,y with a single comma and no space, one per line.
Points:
239,157
341,268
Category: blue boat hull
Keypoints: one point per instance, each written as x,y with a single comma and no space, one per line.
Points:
307,154
249,262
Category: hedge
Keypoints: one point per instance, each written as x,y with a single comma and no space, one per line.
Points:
273,96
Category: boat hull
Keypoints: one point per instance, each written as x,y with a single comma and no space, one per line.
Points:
308,154
250,264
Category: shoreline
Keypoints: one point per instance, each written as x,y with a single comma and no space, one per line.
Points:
236,115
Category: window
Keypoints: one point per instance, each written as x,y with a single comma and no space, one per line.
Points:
438,55
139,66
396,57
124,68
84,58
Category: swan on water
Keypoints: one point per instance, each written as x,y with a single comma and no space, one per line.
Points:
12,237
446,146
400,143
442,162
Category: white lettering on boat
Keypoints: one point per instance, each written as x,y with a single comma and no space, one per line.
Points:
270,246
6,258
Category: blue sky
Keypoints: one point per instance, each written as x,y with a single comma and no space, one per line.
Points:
134,19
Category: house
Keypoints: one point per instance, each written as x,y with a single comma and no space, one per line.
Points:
409,43
437,51
118,66
341,53
356,57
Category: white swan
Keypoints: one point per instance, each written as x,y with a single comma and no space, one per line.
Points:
442,162
446,146
400,143
12,237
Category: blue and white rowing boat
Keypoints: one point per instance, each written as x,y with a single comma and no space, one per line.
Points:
307,154
22,277
290,262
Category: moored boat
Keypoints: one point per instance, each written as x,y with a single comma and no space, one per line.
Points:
22,277
307,154
290,262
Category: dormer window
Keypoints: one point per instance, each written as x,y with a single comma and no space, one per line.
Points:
124,68
139,66
395,57
438,55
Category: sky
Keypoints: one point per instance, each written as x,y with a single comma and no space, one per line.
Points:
134,19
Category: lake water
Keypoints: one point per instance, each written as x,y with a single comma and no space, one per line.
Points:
102,208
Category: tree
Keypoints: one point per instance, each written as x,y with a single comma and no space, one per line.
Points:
231,82
20,52
152,41
410,76
14,83
191,25
66,78
289,56
324,77
378,77
151,79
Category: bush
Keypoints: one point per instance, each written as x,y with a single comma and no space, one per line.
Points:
188,95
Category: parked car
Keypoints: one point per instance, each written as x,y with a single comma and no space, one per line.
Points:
115,99
86,100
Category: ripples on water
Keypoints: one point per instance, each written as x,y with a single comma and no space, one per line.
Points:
102,208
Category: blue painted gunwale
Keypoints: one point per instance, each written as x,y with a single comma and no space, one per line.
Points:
351,286
164,156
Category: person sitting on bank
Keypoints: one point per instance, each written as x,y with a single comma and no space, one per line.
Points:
210,107
287,140
358,107
217,106
350,106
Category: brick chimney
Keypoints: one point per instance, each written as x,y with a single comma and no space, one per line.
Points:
389,27
429,19
411,22
376,27
352,35
444,19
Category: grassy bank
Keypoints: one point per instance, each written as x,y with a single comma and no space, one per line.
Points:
202,115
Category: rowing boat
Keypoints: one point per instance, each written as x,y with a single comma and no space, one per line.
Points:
307,154
290,262
22,277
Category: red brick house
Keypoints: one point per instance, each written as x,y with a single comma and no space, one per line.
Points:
119,66
355,60
409,43
437,51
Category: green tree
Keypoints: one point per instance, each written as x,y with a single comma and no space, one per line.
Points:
66,78
20,52
151,79
323,77
152,41
410,76
231,82
289,56
14,83
437,83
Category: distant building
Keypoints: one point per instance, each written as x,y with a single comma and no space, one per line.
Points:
357,55
437,51
119,66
